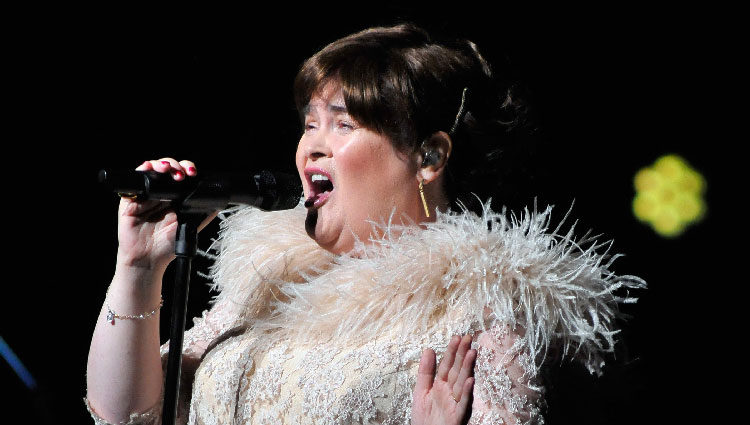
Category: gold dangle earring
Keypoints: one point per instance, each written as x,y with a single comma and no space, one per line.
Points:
424,202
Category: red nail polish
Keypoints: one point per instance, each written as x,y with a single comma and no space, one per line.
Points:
165,162
191,170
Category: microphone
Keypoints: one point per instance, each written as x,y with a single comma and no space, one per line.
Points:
266,190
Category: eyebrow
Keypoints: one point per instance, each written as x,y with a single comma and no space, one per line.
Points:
331,108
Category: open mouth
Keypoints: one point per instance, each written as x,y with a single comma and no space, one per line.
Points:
320,185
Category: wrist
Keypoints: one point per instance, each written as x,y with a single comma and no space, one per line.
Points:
139,276
140,266
134,289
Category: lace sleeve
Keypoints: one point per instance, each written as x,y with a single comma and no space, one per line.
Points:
506,389
205,329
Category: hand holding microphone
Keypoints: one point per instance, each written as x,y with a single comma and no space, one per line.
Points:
151,192
264,189
146,227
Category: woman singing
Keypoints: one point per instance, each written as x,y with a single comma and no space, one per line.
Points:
332,312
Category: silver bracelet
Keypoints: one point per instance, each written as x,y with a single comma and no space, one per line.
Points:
111,315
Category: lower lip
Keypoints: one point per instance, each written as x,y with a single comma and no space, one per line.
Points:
322,199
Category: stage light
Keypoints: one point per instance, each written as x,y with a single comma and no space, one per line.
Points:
669,196
16,364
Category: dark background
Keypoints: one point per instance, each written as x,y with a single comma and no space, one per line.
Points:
611,88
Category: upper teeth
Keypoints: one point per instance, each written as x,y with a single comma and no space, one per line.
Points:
318,177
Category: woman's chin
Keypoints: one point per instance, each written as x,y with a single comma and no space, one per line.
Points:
335,245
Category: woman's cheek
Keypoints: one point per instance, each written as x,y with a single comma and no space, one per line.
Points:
362,158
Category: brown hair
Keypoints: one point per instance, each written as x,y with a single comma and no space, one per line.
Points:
401,83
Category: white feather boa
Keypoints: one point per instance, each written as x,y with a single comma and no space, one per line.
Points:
560,291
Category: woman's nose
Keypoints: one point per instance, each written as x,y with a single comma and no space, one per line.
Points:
316,145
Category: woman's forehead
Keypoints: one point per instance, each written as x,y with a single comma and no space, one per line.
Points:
328,98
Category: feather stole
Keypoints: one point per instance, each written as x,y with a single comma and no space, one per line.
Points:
491,268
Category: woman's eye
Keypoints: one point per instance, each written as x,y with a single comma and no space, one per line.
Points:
310,126
345,125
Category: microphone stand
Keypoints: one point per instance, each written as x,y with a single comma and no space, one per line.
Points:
186,246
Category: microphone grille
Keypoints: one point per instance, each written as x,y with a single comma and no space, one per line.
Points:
286,190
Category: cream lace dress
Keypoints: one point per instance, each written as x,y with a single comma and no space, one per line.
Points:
299,336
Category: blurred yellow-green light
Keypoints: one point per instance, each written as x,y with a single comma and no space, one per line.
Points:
669,195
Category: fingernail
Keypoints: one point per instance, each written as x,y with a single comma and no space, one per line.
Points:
191,170
178,175
165,162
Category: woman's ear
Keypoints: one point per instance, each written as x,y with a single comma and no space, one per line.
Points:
433,156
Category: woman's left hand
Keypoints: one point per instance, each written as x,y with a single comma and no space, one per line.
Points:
445,398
